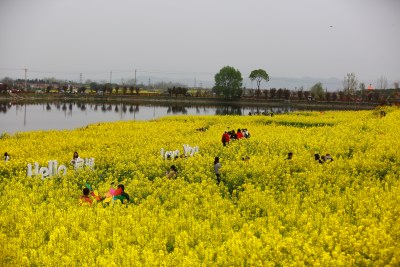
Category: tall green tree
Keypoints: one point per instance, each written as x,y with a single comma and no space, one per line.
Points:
317,91
94,86
228,82
259,75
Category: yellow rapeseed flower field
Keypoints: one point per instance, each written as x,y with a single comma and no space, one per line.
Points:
267,210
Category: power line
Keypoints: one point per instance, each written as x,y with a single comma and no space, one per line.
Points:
175,72
11,69
107,72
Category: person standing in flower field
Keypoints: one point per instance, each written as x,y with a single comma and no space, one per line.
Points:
217,166
246,133
75,158
239,134
6,157
233,135
225,138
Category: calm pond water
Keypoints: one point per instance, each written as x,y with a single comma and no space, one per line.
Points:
20,117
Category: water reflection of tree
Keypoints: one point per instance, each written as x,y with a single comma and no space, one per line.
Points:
228,110
48,107
136,109
4,108
176,109
64,107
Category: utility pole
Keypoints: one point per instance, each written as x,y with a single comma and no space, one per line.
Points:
135,80
80,78
26,85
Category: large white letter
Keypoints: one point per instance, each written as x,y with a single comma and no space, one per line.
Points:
44,172
50,167
79,163
89,162
29,171
62,168
36,172
186,149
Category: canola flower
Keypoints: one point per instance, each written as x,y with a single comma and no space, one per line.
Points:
267,211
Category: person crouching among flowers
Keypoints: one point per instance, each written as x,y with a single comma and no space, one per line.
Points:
116,194
85,200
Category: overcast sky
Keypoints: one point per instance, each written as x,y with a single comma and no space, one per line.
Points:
315,38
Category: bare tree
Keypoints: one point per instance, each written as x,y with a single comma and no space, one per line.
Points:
396,85
265,92
251,92
350,84
279,93
334,96
286,94
362,90
382,82
300,94
258,93
272,93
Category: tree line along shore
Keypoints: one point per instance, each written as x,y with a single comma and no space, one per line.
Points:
149,98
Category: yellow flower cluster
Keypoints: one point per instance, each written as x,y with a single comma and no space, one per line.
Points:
267,210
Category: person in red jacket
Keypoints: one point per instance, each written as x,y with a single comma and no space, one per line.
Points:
239,134
225,138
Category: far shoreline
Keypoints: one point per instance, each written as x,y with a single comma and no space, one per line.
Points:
191,100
